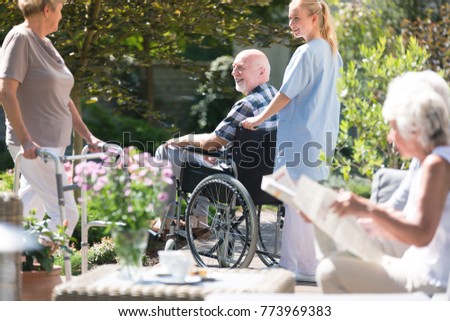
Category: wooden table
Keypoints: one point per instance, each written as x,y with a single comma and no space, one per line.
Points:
103,284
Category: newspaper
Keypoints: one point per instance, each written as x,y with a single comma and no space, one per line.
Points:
314,201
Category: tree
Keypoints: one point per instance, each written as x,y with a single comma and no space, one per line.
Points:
355,25
413,10
362,140
218,95
432,32
102,41
377,44
366,21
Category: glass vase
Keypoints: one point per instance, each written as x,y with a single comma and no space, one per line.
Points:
130,246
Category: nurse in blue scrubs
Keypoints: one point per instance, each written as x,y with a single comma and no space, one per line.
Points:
308,110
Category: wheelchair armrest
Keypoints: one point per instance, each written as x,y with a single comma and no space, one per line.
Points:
198,150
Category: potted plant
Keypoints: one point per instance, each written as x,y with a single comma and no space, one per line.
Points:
131,193
39,274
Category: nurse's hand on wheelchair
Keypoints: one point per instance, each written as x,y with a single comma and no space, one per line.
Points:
251,123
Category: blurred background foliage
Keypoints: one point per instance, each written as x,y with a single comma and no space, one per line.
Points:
380,40
217,94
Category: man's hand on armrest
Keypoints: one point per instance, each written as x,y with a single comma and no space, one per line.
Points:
209,141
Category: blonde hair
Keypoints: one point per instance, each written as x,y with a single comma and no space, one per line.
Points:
31,7
326,25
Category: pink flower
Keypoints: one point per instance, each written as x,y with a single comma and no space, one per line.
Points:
117,186
167,172
162,197
133,167
98,186
148,182
78,179
168,180
69,171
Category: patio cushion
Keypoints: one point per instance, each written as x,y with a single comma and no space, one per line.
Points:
385,182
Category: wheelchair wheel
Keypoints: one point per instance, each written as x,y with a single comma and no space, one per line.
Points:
269,236
221,223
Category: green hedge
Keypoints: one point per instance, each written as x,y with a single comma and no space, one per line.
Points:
124,130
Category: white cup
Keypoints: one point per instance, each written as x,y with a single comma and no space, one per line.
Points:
176,263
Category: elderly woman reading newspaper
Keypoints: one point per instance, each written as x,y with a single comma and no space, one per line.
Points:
419,120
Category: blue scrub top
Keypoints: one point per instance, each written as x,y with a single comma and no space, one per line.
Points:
309,123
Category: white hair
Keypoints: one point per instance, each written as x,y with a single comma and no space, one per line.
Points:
30,7
419,102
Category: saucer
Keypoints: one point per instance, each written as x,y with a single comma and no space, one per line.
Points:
159,271
190,279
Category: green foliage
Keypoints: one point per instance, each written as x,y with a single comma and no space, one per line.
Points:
46,242
99,253
6,181
94,213
218,95
362,140
124,130
415,10
358,185
432,32
102,253
366,21
362,145
359,22
75,261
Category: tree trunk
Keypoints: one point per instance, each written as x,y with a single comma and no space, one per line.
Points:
149,89
149,81
77,146
77,139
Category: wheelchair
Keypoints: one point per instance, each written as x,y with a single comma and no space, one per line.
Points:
225,222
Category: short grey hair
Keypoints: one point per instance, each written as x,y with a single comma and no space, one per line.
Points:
419,102
30,7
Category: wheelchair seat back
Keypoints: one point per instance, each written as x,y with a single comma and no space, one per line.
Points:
254,155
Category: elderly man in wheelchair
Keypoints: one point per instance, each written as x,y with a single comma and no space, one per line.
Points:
217,182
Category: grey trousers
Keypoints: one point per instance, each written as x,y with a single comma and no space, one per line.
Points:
177,156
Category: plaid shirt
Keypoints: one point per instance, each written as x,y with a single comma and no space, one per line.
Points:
251,105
